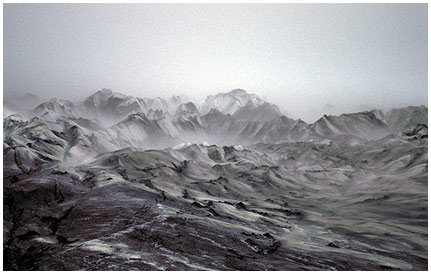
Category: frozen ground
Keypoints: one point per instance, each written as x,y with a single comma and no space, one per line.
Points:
341,202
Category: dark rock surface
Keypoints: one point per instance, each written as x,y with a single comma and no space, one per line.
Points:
72,201
129,211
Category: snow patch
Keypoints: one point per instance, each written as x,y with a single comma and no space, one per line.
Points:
238,147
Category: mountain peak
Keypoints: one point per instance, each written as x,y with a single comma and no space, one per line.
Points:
137,117
180,97
104,92
30,95
238,91
230,102
102,98
188,107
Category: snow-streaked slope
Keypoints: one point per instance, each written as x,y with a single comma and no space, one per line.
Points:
186,108
232,118
286,206
155,193
112,105
57,109
135,131
253,111
404,118
230,102
175,101
364,125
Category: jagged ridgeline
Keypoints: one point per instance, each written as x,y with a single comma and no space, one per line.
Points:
107,121
115,182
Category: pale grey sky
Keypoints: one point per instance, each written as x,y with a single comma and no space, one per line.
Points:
310,59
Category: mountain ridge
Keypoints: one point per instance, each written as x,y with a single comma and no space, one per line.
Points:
137,184
232,118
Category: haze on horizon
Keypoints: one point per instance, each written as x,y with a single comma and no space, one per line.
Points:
309,59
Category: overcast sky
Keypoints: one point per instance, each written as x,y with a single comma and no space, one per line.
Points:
309,59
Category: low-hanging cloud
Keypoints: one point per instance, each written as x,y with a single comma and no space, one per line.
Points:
303,57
